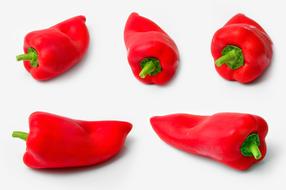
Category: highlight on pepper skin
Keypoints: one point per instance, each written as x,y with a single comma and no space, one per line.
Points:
152,55
50,52
59,142
241,49
234,139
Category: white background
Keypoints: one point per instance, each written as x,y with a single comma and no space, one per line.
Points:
103,87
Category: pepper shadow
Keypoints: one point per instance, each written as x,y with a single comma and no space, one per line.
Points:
75,170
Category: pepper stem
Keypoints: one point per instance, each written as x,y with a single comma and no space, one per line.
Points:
250,146
150,66
25,57
232,56
31,56
253,148
20,135
225,58
147,69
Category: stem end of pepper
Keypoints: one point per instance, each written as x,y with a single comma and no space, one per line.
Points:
232,56
255,151
20,57
150,66
142,74
20,135
31,56
250,147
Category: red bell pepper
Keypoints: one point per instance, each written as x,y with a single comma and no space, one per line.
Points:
242,50
51,52
234,139
58,142
152,54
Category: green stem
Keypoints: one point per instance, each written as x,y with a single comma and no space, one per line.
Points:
25,57
20,135
232,56
225,58
150,66
250,146
253,148
31,56
147,69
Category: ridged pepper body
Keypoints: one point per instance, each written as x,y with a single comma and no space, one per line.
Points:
251,42
144,39
58,48
219,136
58,142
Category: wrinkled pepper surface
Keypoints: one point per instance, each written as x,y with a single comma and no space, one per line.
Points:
242,50
234,139
52,51
152,54
59,142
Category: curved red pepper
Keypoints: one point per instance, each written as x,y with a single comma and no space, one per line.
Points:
234,139
242,50
152,54
57,142
51,52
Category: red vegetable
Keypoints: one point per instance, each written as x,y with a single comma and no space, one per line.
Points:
152,54
234,139
59,142
51,52
242,50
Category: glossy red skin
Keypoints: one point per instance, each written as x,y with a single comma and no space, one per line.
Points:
59,142
218,136
144,39
59,47
256,46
